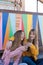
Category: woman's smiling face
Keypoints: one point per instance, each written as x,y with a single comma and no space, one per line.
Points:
32,35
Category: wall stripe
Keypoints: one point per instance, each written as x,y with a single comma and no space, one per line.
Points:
18,21
29,23
10,30
0,31
6,34
41,25
34,20
13,22
4,24
24,17
20,24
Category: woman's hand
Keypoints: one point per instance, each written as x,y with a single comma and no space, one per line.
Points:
28,44
23,48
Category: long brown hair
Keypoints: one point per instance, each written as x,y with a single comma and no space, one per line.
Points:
29,40
33,42
17,40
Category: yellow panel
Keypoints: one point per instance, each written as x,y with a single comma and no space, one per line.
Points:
29,23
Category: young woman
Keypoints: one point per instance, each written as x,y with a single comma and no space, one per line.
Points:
18,41
14,48
30,56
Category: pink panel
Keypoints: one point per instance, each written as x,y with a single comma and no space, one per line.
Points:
0,31
20,24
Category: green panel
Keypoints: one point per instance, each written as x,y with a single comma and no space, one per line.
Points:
10,31
24,17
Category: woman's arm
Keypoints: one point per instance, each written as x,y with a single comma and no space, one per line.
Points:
17,51
34,50
16,62
3,56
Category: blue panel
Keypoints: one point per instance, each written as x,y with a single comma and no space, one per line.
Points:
35,17
4,24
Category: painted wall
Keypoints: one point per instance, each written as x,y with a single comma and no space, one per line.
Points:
11,22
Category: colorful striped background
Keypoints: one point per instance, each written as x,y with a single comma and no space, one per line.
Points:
11,22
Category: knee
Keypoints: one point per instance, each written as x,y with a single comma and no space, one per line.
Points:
23,64
28,60
24,59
